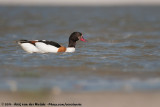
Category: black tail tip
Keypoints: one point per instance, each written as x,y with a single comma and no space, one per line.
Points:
21,41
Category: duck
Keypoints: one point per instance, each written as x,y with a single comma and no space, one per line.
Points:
44,46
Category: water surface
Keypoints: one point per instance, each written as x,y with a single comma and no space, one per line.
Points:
122,52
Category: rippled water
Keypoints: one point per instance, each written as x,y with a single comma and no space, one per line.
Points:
122,52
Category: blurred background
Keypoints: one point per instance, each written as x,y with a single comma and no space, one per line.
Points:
119,65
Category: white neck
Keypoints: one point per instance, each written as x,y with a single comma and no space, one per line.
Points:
70,49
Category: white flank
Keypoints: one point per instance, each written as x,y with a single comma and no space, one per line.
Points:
46,48
30,48
70,49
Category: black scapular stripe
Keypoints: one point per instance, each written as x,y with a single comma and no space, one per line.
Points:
44,41
50,43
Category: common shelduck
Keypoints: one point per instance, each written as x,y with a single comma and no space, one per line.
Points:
44,46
